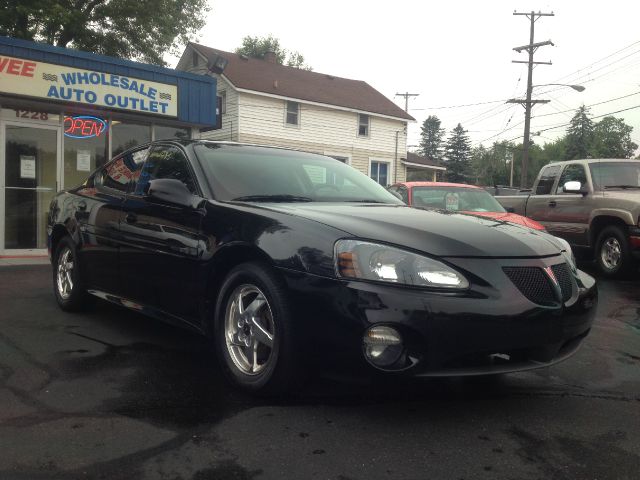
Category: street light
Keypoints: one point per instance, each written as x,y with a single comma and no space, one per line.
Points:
577,88
527,104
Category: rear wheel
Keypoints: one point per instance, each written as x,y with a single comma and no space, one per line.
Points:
68,284
254,331
613,254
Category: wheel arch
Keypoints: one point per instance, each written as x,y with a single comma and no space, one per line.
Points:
224,261
600,222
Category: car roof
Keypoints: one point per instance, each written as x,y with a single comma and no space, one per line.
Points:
590,161
436,184
184,142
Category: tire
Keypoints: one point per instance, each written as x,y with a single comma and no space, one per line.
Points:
612,253
68,284
259,353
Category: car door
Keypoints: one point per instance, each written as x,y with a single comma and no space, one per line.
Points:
540,203
98,207
569,212
162,244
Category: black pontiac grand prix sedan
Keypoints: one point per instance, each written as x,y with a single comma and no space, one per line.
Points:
289,261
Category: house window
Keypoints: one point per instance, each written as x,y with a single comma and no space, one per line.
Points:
195,58
293,113
363,125
380,172
223,101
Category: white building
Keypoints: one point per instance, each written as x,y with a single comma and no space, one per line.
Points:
271,104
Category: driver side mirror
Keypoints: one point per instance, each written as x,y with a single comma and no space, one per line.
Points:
173,192
573,187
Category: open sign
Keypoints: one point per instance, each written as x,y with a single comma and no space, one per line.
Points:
84,126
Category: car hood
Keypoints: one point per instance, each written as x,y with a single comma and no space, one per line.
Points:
437,233
510,217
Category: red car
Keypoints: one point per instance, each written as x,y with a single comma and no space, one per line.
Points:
458,197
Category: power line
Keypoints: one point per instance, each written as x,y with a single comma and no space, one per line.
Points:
458,106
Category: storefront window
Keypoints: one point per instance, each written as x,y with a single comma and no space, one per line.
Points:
162,132
125,135
85,147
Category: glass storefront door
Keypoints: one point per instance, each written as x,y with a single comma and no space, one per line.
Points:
30,181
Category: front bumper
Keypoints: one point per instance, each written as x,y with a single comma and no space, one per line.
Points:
492,328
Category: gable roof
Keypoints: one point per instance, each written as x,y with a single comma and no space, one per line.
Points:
274,79
426,161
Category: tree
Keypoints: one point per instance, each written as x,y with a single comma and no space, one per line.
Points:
492,166
579,135
612,139
431,136
257,47
141,30
458,155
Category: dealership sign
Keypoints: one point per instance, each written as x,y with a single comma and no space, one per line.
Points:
57,82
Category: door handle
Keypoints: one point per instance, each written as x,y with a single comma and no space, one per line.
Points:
131,218
552,203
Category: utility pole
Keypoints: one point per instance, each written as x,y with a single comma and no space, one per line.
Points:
528,103
511,176
406,99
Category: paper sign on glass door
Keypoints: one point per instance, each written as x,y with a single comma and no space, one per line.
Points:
83,161
27,166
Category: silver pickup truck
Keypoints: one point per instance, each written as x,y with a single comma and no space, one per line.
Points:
593,204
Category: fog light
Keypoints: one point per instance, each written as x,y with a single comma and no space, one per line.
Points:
382,346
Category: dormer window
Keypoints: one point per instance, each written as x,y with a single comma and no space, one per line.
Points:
363,125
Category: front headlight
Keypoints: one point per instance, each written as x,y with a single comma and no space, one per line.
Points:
567,252
371,261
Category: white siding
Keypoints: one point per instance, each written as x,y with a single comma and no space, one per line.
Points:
260,119
230,119
324,130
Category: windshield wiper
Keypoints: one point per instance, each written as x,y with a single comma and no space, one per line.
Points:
621,186
364,200
272,198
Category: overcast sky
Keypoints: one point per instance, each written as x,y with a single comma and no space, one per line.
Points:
457,53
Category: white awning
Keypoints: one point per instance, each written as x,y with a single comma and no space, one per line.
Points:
420,165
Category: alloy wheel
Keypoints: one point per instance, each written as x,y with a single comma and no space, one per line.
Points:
64,276
611,253
249,330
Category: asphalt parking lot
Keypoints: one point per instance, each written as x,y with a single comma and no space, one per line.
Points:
112,395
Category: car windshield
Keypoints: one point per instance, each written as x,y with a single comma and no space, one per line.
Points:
455,198
615,175
248,173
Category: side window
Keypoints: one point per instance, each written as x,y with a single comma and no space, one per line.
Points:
121,171
572,173
548,177
165,162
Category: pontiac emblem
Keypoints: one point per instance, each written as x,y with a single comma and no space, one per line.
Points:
552,276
